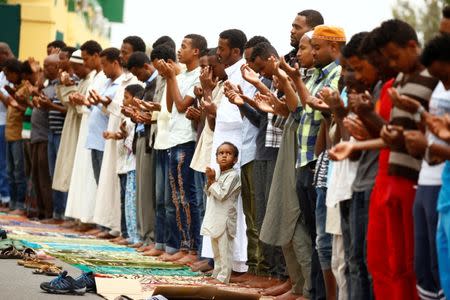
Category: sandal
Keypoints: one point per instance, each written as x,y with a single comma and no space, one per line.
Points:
10,253
37,264
48,270
29,253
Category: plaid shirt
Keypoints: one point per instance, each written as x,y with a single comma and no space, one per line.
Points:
273,133
310,119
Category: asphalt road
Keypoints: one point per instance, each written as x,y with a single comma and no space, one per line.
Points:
18,283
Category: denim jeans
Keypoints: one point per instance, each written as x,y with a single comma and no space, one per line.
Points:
323,239
97,158
4,184
425,254
123,189
162,198
16,174
187,208
442,242
307,199
354,220
200,181
59,198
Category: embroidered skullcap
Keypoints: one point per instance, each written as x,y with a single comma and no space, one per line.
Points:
329,33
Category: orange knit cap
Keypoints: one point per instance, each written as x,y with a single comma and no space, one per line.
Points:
329,33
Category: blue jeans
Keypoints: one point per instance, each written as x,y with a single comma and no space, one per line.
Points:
59,198
4,184
354,220
323,239
187,208
200,180
97,158
16,174
123,189
443,248
425,255
162,199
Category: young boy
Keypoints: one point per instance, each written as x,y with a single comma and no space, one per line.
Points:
221,216
126,169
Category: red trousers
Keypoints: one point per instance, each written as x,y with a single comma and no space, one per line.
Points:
390,239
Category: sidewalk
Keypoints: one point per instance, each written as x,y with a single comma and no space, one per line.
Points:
18,283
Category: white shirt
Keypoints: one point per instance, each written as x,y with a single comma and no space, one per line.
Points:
162,121
181,129
249,132
3,109
439,105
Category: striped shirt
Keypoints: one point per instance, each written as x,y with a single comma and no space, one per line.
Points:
418,86
55,118
311,119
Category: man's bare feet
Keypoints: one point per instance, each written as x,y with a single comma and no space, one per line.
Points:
174,257
51,221
287,296
18,212
123,242
69,224
262,282
136,245
242,278
215,281
116,239
93,231
201,266
153,252
145,248
83,227
278,290
104,235
188,259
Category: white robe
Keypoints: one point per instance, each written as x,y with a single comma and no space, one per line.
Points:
82,190
107,203
229,129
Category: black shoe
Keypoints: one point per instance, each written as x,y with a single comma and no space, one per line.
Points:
3,234
64,284
87,279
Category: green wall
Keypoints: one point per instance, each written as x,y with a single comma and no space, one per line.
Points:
10,19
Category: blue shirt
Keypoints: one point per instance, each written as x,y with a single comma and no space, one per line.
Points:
98,120
140,127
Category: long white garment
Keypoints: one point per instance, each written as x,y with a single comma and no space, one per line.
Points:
82,190
107,201
228,128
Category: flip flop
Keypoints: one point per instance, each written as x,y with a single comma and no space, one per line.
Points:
10,253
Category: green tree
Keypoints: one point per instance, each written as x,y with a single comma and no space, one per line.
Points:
424,19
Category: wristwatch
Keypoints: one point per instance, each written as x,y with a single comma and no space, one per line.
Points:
420,110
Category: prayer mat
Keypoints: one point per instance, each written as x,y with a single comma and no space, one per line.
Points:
120,270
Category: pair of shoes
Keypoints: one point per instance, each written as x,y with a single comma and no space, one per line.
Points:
64,284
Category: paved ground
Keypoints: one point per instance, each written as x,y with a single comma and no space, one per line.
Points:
18,283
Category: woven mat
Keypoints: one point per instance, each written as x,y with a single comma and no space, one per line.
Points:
120,270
